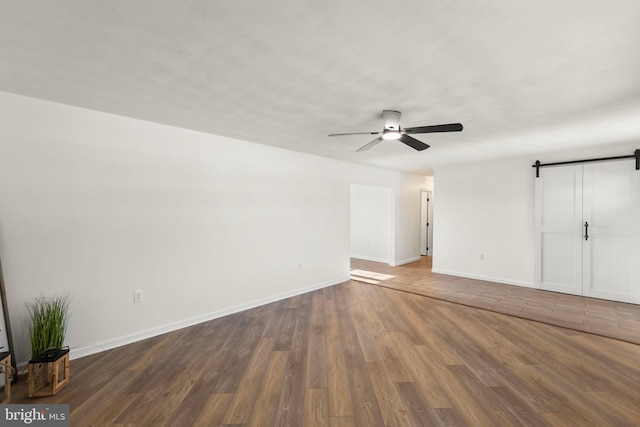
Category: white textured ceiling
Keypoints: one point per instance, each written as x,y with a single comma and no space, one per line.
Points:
524,77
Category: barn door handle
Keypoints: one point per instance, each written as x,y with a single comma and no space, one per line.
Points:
586,230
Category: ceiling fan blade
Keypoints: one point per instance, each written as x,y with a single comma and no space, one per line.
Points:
452,127
414,143
369,145
356,133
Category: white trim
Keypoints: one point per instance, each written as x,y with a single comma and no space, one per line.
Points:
368,258
404,261
88,350
485,278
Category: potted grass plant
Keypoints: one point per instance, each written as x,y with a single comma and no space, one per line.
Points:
48,327
48,368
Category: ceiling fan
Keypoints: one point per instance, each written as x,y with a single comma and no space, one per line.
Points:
392,130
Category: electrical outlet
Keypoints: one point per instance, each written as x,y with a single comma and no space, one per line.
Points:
137,296
480,256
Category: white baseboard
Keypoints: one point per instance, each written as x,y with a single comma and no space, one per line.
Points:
405,261
485,278
368,258
78,352
386,261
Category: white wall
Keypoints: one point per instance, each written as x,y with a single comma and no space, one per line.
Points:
99,205
407,219
371,223
488,208
428,183
485,209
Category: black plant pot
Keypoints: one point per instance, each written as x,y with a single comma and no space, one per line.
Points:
50,355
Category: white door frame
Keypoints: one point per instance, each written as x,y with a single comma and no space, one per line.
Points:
426,222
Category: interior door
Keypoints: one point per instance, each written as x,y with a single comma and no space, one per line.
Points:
610,200
426,223
587,231
558,226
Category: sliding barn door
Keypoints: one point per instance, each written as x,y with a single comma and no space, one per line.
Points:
610,197
558,229
587,233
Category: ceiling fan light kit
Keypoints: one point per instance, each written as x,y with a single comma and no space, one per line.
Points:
391,134
393,131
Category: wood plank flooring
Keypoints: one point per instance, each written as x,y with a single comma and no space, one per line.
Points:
358,355
596,316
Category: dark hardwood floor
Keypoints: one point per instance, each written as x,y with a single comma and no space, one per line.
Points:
357,355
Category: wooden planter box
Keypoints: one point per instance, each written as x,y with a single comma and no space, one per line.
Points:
48,375
5,364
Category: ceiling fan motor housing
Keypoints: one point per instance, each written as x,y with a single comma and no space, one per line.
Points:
391,119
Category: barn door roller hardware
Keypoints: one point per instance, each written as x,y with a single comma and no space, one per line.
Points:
635,155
